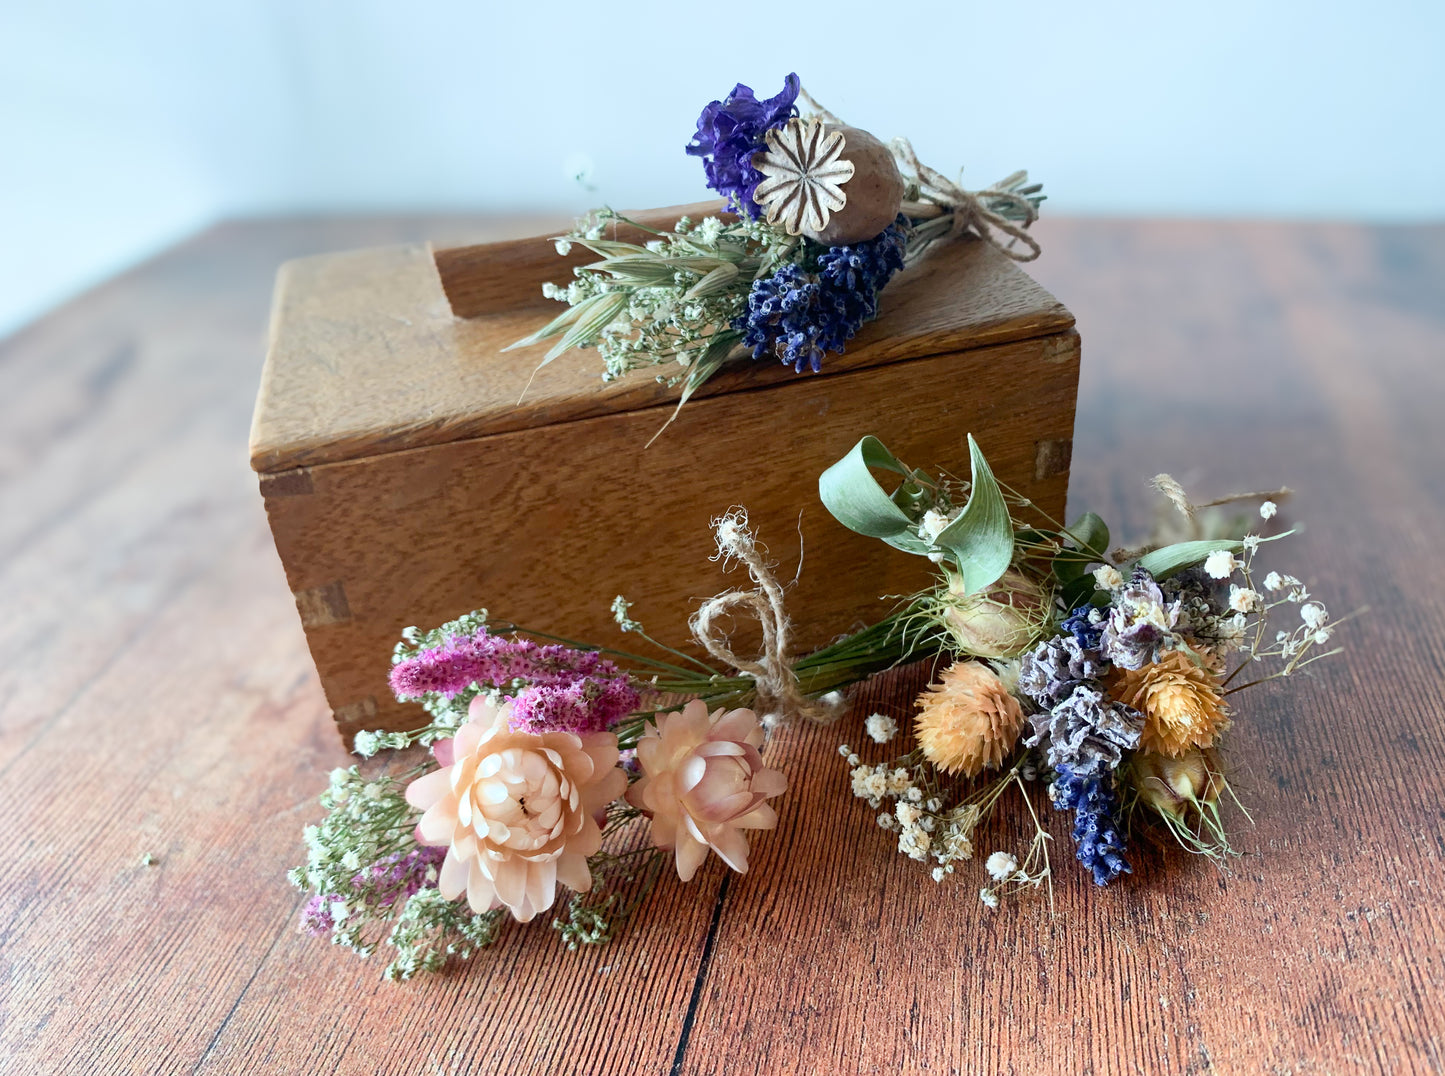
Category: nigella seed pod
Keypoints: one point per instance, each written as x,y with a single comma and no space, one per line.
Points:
998,623
1172,785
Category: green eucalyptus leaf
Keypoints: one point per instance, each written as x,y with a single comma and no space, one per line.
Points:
1091,537
981,539
1164,562
851,493
1092,534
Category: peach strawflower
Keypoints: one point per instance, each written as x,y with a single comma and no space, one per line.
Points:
515,810
968,720
704,783
1182,703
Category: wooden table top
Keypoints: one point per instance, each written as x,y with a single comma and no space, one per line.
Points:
157,699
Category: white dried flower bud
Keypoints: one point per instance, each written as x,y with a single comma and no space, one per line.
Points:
1267,510
1220,564
989,897
1107,577
880,727
1243,600
1313,614
1273,581
1001,866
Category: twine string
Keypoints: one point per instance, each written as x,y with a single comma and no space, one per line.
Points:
972,210
778,691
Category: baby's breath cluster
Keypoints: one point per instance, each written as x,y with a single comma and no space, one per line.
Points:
365,870
667,302
934,821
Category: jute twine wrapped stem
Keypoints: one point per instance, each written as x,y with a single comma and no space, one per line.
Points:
779,697
972,211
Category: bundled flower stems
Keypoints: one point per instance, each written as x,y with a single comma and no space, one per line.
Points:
819,217
562,780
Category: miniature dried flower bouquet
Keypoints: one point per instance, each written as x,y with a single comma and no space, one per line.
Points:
557,767
561,780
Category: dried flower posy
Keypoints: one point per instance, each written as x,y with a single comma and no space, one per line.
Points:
819,217
1106,673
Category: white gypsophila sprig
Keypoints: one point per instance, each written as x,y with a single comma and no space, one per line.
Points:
880,727
667,302
1258,609
935,827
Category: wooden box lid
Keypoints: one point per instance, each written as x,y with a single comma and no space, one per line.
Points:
366,355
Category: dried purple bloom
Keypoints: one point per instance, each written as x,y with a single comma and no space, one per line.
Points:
1100,845
799,316
731,131
563,690
1086,625
316,917
587,704
1049,672
1087,732
1141,623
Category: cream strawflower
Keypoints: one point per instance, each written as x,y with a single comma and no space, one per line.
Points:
515,810
704,783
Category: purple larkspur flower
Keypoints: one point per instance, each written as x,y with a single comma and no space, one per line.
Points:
1141,623
731,131
1086,625
798,315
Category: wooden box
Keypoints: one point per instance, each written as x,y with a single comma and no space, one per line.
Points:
413,471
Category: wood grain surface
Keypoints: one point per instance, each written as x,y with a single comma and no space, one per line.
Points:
541,526
158,699
365,356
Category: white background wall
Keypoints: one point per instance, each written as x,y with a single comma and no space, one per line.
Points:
126,125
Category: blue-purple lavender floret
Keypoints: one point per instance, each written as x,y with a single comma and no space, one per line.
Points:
1086,625
799,315
1096,830
731,131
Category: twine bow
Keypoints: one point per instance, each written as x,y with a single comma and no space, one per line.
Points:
972,210
778,691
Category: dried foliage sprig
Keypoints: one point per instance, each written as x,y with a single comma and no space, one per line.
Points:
820,216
